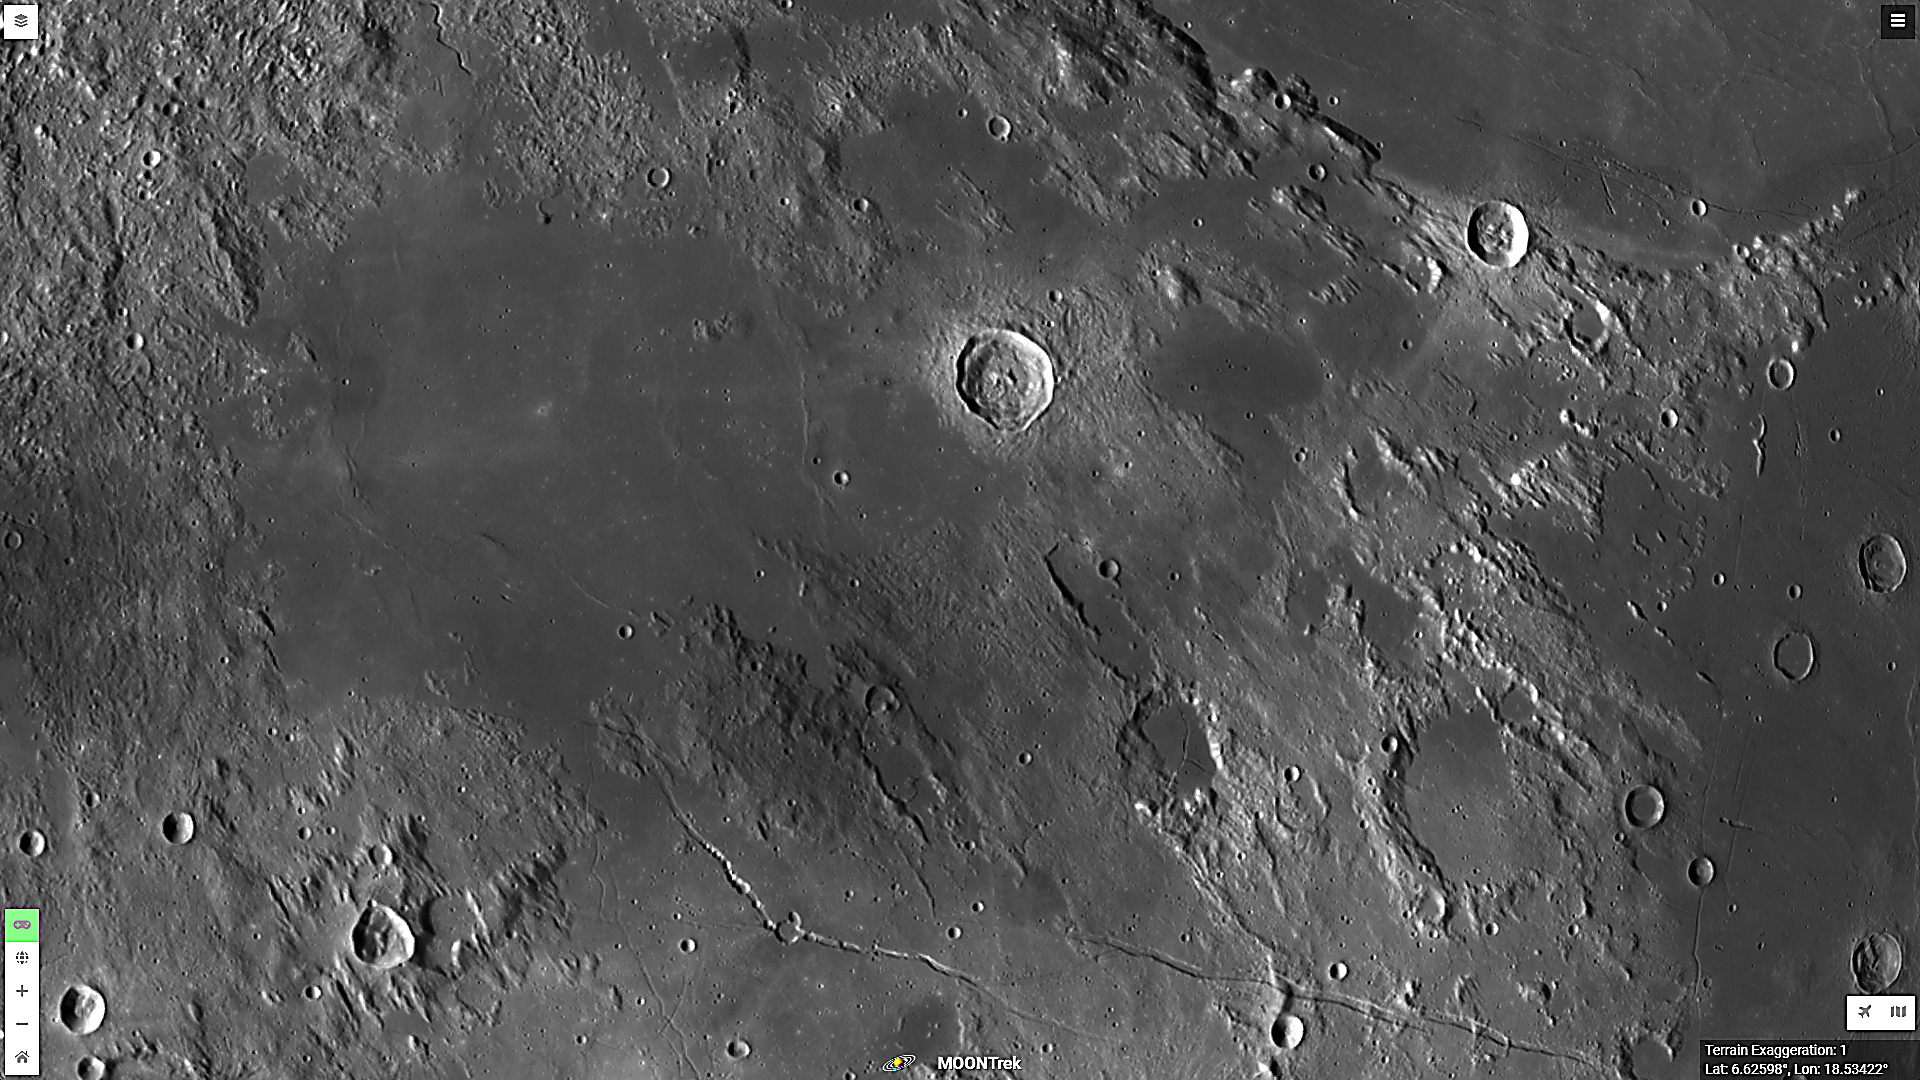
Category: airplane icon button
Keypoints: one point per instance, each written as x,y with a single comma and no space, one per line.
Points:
1880,1012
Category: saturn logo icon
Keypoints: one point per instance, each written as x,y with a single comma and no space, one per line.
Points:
898,1063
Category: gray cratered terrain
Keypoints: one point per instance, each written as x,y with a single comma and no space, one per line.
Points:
610,540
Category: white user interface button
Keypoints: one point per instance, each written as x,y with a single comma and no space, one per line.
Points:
1880,1012
20,22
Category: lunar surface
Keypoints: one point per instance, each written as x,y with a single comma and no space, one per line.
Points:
82,1009
1497,234
1877,961
815,540
1005,378
177,827
381,938
1883,563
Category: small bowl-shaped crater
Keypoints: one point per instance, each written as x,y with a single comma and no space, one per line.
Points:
1701,871
1005,378
381,938
1289,1031
1883,563
1877,960
1497,234
881,700
1793,655
1646,806
177,827
82,1009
